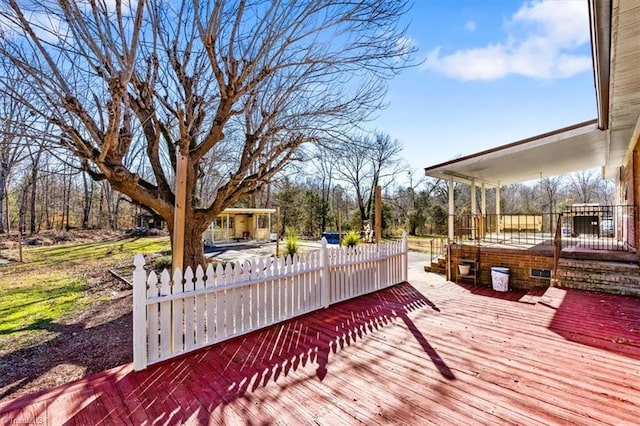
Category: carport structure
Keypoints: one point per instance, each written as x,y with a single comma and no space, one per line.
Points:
235,224
609,143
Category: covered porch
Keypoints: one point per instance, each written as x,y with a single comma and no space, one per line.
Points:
531,245
574,148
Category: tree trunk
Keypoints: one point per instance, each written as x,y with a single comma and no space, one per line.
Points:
32,198
88,199
193,247
64,198
3,186
115,214
22,212
68,204
101,209
47,216
6,216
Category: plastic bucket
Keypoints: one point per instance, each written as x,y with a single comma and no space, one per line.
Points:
500,278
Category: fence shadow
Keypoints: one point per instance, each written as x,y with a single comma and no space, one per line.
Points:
199,383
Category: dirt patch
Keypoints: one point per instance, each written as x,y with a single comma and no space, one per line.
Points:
97,339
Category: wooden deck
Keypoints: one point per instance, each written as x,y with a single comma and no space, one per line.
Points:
429,352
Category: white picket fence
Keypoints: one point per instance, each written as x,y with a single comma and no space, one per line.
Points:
179,314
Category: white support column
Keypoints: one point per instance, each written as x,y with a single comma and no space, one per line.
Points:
474,206
483,208
450,224
498,209
474,209
256,220
450,219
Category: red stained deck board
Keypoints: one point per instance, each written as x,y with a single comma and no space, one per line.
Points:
423,353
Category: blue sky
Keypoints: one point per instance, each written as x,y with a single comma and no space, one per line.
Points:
494,72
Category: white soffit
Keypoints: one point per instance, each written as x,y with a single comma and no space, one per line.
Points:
566,150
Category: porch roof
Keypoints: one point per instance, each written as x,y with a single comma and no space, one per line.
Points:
562,151
240,210
605,142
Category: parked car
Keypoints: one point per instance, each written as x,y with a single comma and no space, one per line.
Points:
332,237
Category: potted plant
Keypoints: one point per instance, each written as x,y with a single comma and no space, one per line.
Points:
464,268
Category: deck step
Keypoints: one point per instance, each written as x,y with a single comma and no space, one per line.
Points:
597,275
437,266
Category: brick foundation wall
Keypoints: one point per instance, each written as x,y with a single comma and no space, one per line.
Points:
518,261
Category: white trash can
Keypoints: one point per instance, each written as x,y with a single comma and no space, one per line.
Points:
500,278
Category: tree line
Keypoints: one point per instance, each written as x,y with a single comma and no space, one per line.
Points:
41,190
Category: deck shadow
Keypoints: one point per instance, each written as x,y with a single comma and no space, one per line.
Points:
603,321
513,295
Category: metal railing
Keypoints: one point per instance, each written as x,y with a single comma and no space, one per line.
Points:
590,227
508,229
557,246
437,248
598,227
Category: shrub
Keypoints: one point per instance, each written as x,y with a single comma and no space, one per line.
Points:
352,239
291,244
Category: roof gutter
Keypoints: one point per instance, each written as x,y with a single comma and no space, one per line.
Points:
600,28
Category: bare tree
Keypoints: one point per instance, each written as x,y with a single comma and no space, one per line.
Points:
35,154
12,117
244,82
323,165
550,188
366,163
584,185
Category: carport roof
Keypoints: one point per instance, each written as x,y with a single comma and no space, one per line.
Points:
239,210
565,150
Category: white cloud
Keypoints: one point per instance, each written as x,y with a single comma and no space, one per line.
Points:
541,39
470,26
46,26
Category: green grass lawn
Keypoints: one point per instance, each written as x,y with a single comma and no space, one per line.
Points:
52,284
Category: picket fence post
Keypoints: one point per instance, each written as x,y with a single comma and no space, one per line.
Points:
139,314
325,282
405,257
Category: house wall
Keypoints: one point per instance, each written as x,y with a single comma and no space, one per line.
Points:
518,261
